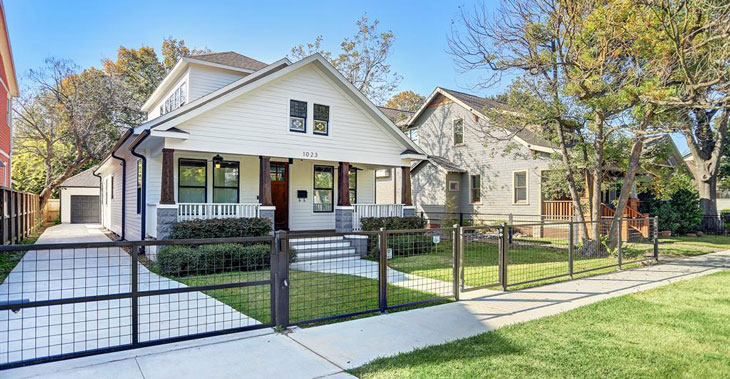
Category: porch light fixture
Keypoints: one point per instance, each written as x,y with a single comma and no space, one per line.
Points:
217,160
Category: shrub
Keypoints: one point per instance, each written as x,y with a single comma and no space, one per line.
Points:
221,228
679,209
392,223
211,259
725,216
406,245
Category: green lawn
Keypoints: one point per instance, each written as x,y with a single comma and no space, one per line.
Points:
8,260
680,330
712,242
312,294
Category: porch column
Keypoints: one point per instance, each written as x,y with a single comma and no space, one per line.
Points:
265,181
405,189
167,190
343,185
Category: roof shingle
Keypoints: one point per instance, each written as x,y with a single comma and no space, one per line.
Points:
84,178
231,58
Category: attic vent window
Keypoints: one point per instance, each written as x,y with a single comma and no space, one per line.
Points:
321,119
298,116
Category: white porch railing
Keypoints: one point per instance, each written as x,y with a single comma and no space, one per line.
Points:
374,210
204,211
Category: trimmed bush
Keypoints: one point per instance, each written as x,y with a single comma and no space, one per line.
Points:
406,245
392,223
221,228
211,259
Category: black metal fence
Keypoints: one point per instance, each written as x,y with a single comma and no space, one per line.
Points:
68,300
715,224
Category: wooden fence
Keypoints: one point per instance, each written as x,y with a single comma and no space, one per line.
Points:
20,215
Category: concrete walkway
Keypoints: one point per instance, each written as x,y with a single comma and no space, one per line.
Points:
69,273
330,349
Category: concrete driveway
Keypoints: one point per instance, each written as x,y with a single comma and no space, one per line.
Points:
68,273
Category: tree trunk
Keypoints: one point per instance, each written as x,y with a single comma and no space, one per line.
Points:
598,177
577,209
708,192
626,186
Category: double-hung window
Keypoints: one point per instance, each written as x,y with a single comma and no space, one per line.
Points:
139,186
458,131
321,119
519,183
192,181
475,188
298,116
225,182
413,134
324,180
352,178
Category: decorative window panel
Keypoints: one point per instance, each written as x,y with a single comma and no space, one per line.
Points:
321,119
297,116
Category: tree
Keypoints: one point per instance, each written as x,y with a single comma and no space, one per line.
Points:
174,49
406,101
362,59
692,48
68,119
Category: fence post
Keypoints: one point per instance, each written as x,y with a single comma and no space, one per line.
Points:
3,216
571,242
461,218
13,218
620,243
281,279
455,245
383,271
135,295
503,243
656,238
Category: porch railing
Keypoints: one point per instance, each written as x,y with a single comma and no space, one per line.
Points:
374,210
204,211
557,209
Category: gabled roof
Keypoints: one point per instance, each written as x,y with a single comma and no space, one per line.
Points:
440,162
231,58
84,178
261,77
476,105
398,116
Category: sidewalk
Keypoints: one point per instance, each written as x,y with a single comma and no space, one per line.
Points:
326,351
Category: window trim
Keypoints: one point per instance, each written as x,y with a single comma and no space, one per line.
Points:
351,189
205,185
471,189
315,119
306,115
527,188
238,182
456,182
331,189
453,127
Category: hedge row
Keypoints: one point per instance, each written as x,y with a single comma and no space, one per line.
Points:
392,223
183,260
221,228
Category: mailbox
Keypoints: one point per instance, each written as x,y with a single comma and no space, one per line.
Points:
301,194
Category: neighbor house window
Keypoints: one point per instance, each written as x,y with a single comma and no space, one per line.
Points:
298,116
323,188
139,186
413,134
476,188
458,131
352,178
453,186
225,182
321,119
519,183
192,181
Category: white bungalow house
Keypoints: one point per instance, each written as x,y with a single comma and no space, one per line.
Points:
229,136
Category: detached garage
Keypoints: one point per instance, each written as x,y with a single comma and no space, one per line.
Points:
80,199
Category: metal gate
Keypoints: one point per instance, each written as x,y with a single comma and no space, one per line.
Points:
70,300
85,209
480,257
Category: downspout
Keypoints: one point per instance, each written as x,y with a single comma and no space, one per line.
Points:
124,191
101,203
143,201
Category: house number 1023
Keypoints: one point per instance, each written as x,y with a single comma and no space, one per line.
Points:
310,154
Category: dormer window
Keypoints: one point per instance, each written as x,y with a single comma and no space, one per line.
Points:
298,116
177,99
321,119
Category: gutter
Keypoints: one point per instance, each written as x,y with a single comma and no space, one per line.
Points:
124,185
143,201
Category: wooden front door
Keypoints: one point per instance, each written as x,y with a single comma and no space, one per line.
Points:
280,194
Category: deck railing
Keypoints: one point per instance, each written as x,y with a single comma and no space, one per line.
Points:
557,209
374,210
204,211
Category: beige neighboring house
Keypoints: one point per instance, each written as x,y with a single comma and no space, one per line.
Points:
80,201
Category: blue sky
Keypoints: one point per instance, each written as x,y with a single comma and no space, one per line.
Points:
87,31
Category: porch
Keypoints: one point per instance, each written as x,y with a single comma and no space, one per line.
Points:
295,194
634,221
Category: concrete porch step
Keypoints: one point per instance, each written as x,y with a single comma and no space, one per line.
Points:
308,240
326,255
321,246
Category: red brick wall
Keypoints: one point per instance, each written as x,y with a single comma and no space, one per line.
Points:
4,128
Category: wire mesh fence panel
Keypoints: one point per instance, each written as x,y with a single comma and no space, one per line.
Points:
203,287
53,278
537,252
333,275
595,248
419,266
479,260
